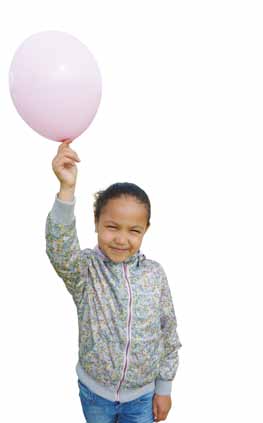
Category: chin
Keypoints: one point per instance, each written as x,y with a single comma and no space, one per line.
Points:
118,258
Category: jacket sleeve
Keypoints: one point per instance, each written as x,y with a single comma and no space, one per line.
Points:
170,340
62,247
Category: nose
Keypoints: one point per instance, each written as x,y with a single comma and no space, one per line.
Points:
120,239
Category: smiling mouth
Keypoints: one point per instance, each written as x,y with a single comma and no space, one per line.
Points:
119,249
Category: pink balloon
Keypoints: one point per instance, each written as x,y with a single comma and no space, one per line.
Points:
55,85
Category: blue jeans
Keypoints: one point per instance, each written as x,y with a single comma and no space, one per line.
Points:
97,409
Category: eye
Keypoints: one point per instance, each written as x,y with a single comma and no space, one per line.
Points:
111,227
134,230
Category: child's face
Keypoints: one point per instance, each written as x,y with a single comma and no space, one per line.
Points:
121,227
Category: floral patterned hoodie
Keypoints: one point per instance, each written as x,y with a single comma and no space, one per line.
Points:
128,342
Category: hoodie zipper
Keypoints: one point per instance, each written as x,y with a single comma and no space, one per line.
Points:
125,364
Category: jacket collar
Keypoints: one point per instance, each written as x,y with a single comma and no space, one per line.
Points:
137,258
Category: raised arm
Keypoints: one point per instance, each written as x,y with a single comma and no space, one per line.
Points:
62,245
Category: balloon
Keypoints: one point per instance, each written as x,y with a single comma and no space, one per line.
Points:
55,85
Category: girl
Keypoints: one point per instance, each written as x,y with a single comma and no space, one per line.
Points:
128,342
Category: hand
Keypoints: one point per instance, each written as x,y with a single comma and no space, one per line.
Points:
161,406
64,164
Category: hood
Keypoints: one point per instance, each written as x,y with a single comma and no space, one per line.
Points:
136,258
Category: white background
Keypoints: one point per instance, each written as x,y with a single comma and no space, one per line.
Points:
181,116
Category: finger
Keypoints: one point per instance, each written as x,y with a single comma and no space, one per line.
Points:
67,152
64,144
72,154
155,413
66,141
66,147
67,162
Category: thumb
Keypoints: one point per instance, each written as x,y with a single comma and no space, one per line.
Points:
66,141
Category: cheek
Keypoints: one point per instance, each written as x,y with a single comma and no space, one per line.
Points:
136,241
105,236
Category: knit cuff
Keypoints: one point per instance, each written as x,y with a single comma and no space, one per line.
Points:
163,387
62,212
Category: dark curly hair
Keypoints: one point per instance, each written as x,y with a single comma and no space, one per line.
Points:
117,190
